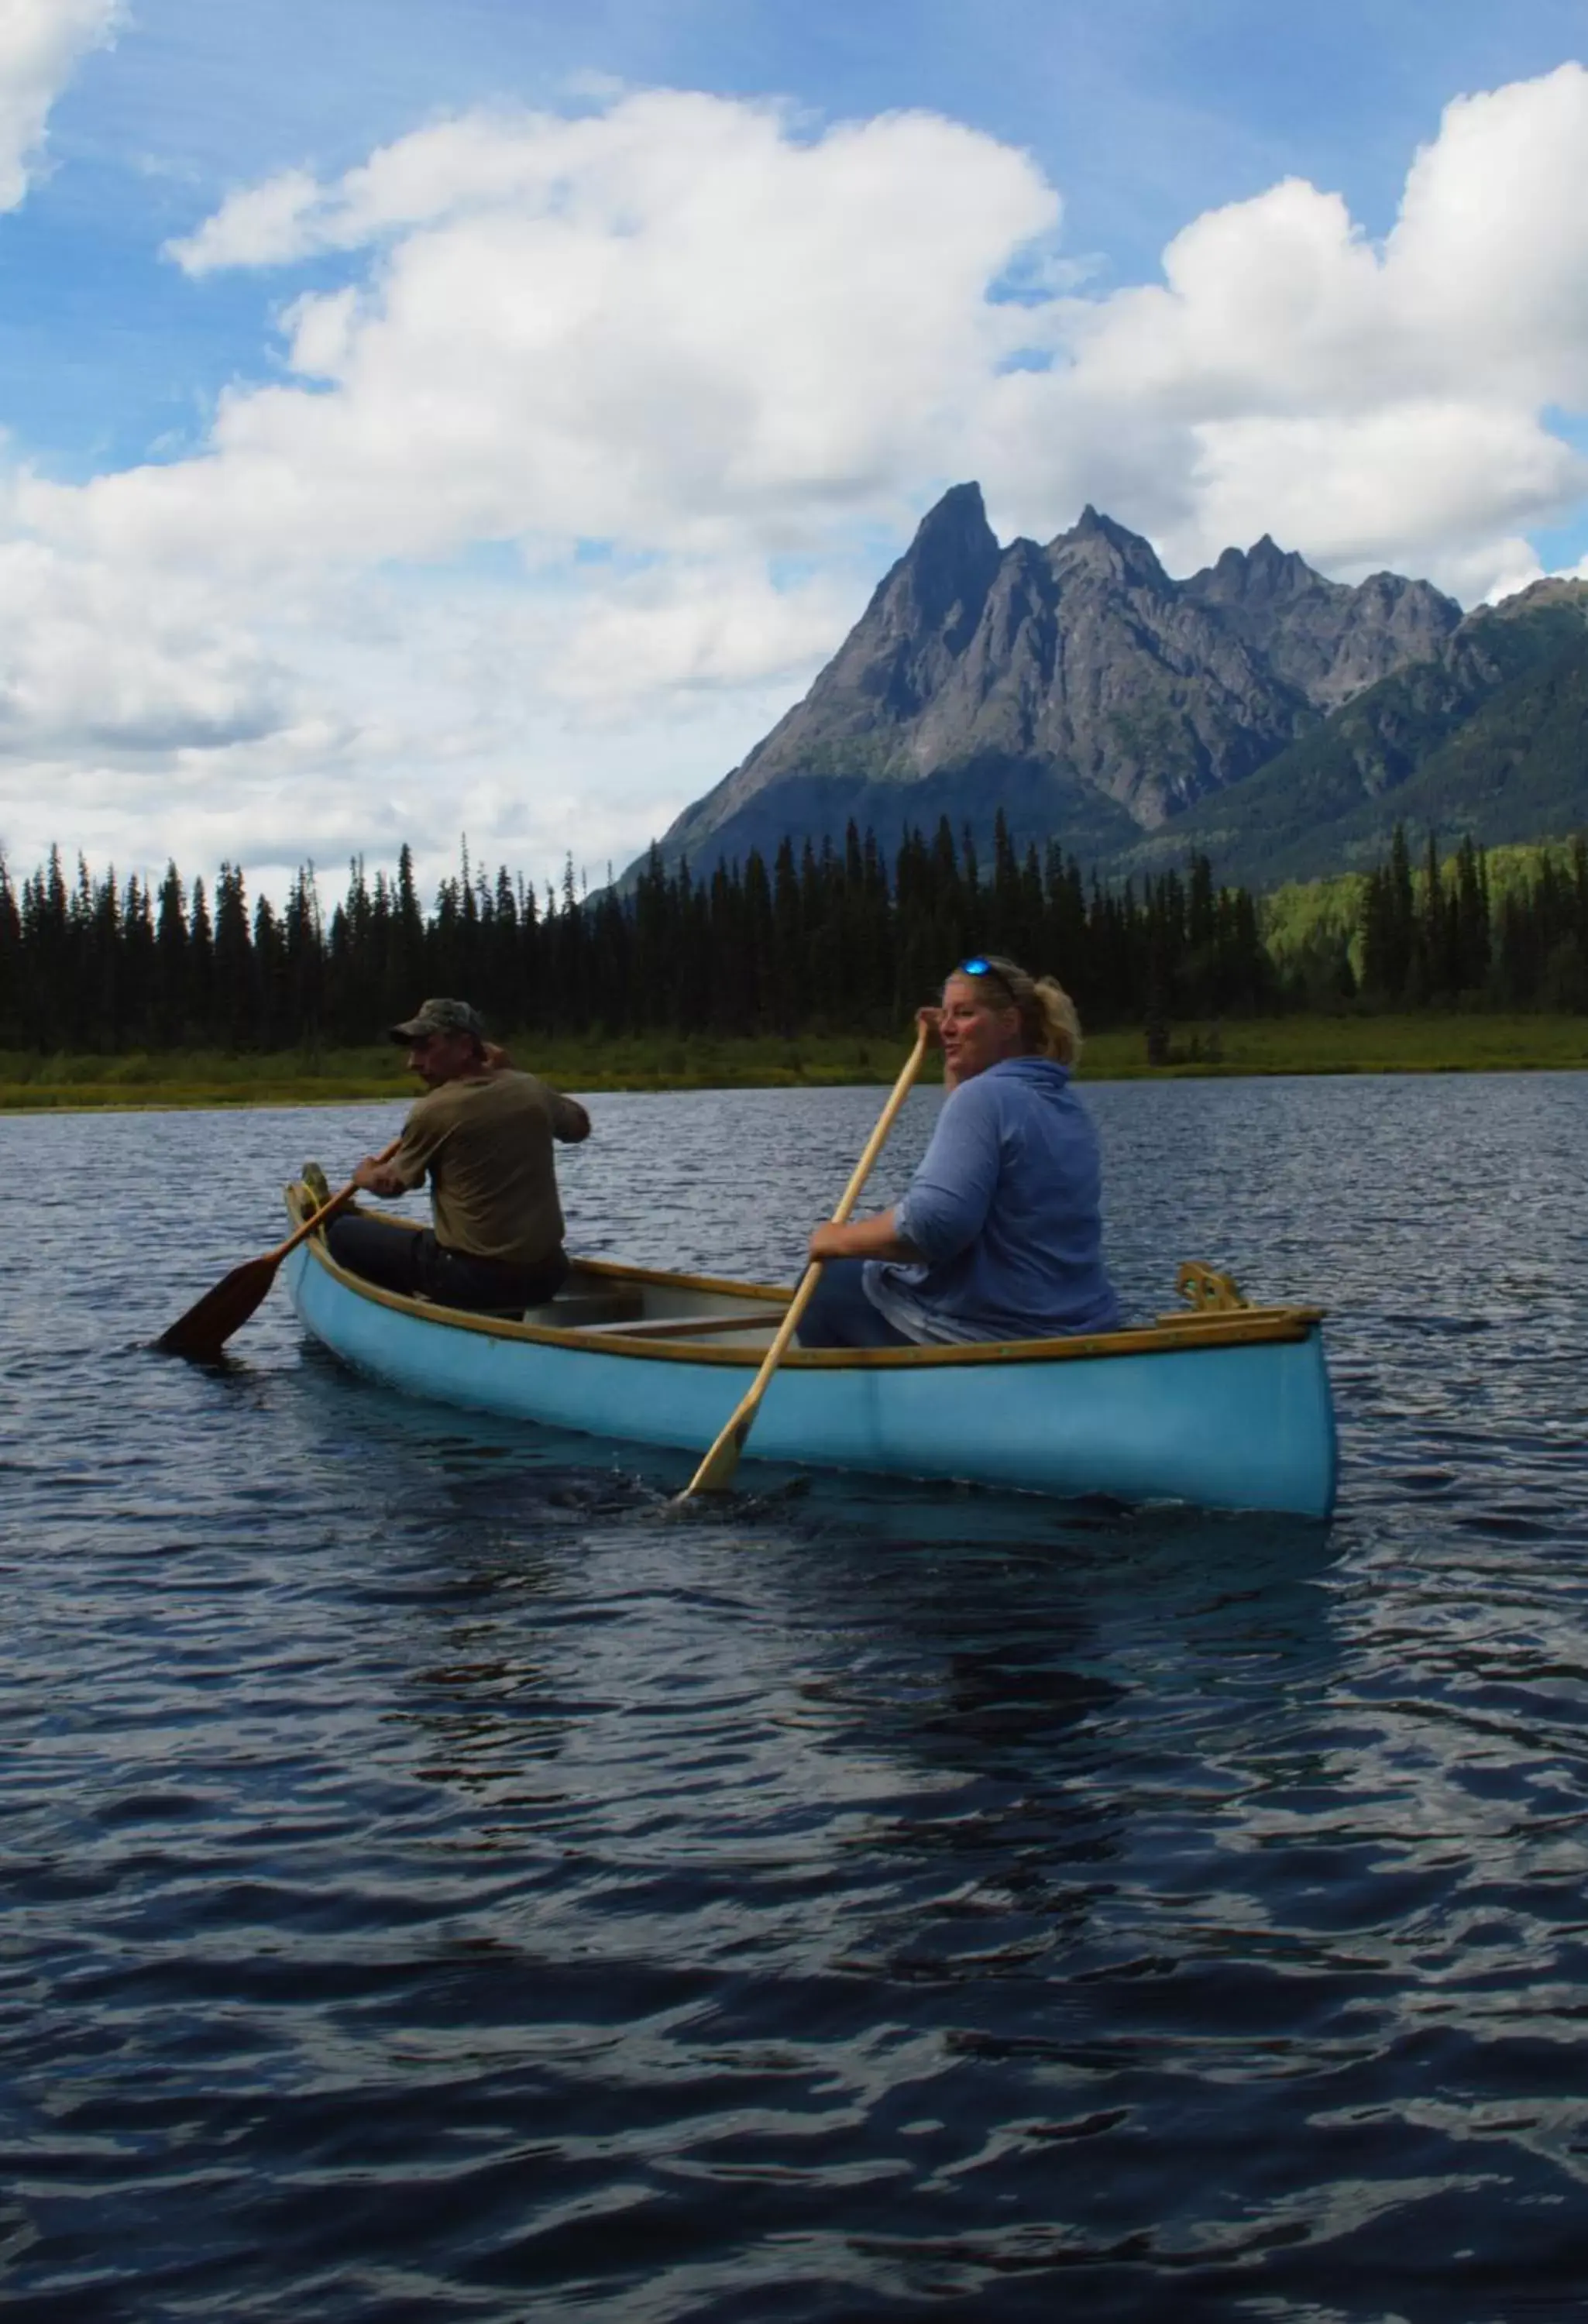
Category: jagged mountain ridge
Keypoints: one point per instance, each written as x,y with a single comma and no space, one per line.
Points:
1075,686
1326,639
1489,737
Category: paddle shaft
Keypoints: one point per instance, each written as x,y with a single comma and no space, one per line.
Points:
715,1473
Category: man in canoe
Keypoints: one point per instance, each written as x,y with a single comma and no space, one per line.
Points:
999,1236
483,1134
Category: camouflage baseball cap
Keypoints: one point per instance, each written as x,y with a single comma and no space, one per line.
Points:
440,1017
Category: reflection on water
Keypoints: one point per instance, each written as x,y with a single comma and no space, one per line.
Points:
445,1878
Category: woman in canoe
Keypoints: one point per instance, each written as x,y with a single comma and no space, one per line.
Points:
999,1234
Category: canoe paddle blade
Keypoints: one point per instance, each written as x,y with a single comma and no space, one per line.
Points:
203,1331
715,1473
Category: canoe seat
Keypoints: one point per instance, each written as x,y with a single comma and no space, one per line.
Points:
571,1309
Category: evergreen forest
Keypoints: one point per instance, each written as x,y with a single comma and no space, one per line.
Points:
825,940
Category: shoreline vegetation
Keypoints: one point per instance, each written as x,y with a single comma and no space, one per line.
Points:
1479,1041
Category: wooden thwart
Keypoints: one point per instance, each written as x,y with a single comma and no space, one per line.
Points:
684,1327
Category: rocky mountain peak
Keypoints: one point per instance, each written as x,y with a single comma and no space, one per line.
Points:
941,582
1325,640
1096,544
1075,686
954,525
1555,590
1260,576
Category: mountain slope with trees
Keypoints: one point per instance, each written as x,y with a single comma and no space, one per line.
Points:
1490,738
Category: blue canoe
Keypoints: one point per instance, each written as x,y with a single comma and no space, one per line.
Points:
1225,1406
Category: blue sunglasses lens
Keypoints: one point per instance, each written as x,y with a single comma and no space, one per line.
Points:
977,967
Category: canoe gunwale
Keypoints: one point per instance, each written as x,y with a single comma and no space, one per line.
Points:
1169,1335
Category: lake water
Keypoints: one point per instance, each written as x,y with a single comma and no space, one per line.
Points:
442,1881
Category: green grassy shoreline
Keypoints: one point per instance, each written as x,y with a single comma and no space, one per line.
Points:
1286,1045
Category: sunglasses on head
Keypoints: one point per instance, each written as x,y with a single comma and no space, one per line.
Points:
977,965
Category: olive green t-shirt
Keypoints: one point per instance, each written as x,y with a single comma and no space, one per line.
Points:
485,1144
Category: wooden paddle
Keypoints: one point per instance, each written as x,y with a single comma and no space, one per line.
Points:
203,1331
715,1473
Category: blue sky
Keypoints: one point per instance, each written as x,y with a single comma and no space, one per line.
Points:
636,549
1143,116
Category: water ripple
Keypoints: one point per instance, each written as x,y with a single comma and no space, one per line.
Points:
444,1880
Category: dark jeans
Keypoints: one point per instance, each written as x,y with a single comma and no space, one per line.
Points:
399,1259
840,1316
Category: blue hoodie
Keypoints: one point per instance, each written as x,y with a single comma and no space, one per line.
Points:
1005,1212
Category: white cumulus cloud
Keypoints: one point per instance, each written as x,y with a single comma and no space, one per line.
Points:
608,424
1367,404
41,42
